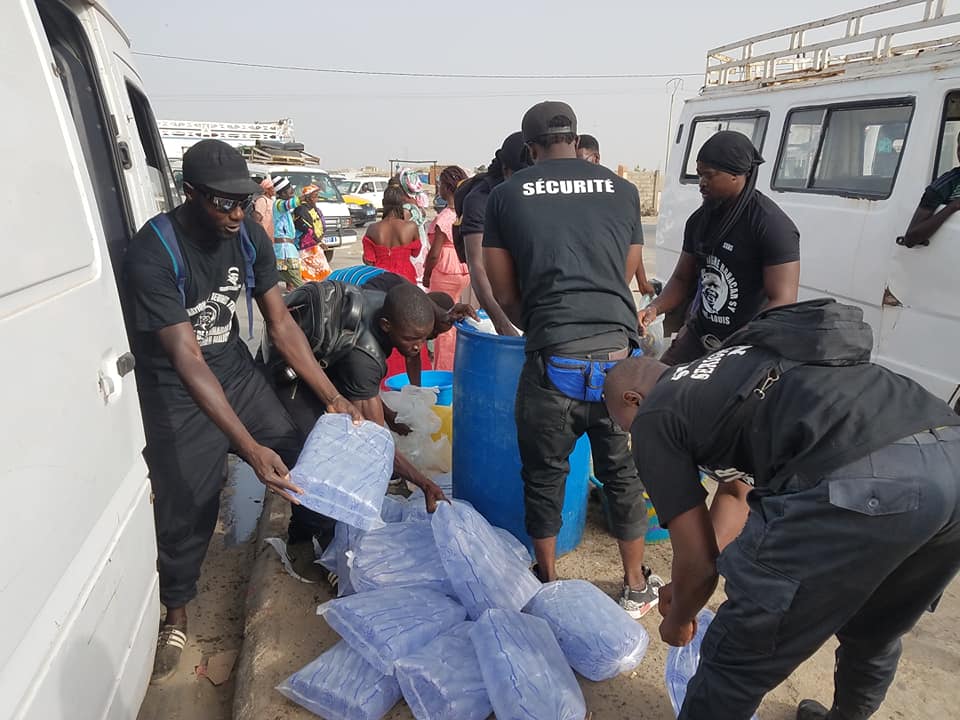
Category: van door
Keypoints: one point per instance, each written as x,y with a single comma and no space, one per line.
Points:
920,332
77,550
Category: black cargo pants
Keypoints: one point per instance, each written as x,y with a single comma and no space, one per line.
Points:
861,555
548,426
186,455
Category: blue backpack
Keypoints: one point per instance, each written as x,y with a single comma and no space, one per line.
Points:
164,229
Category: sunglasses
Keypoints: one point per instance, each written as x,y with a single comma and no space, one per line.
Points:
224,204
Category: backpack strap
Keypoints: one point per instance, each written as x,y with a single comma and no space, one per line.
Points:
249,279
162,226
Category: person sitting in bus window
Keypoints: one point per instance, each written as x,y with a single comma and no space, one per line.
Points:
942,193
741,252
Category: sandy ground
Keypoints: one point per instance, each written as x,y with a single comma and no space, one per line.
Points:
283,633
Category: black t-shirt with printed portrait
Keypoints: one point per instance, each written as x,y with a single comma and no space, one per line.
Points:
215,270
568,225
813,420
730,289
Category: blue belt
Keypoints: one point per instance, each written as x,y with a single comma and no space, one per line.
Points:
581,379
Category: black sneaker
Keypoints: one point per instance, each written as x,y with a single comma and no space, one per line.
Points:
637,603
811,710
170,644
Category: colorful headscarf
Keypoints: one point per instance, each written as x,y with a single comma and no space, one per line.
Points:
412,185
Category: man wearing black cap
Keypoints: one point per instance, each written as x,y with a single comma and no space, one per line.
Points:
560,240
740,252
509,158
200,392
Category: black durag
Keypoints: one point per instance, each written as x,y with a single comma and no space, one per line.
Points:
734,153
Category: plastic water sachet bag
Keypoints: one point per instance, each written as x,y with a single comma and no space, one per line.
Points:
442,680
341,685
524,669
344,470
334,558
400,554
682,663
598,638
386,625
484,571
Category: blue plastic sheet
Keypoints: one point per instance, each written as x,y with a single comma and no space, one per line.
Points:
401,554
344,470
484,571
524,669
598,638
682,663
386,625
341,685
443,681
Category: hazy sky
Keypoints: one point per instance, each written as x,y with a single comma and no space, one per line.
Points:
359,120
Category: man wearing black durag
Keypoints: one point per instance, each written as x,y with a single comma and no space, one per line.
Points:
741,252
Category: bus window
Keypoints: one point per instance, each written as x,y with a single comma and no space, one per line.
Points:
851,150
753,125
949,129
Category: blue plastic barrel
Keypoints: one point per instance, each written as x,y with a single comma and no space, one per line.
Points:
486,460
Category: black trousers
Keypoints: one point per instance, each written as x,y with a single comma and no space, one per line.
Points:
861,555
187,458
548,426
304,407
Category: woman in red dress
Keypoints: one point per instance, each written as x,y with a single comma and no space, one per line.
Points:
393,242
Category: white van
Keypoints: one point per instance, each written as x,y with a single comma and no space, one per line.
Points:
851,137
370,189
79,608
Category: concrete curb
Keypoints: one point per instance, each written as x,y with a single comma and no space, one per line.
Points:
279,609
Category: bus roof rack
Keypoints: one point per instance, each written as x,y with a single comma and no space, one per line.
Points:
744,65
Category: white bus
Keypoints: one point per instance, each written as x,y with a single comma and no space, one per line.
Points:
85,169
853,123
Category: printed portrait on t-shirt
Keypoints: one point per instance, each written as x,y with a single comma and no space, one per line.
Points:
212,318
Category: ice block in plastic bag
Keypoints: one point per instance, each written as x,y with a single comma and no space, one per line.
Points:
386,625
484,571
341,685
598,638
682,663
392,509
514,545
344,470
524,669
442,680
334,558
401,554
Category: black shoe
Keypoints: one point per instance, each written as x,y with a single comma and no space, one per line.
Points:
169,649
811,710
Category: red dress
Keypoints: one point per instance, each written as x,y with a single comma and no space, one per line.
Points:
397,260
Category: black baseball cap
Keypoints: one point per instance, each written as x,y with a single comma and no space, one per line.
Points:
512,154
536,121
218,167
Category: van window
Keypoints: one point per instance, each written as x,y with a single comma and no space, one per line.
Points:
753,125
75,64
851,150
367,187
949,129
161,179
328,191
380,186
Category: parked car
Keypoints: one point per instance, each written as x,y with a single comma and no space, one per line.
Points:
368,188
362,211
